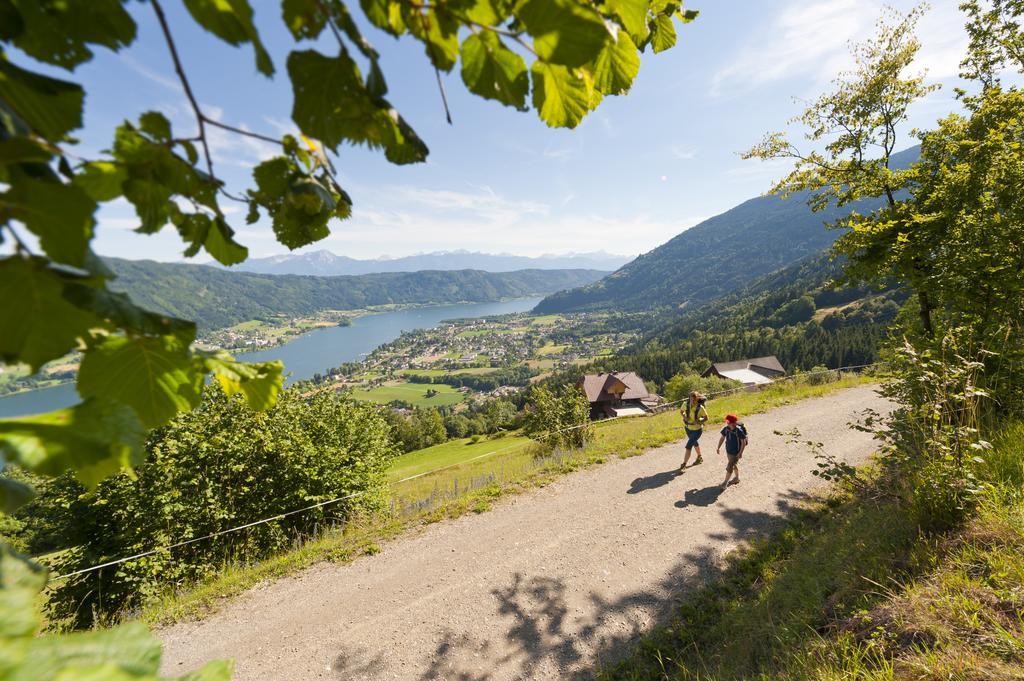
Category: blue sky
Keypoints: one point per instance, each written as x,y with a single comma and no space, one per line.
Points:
639,170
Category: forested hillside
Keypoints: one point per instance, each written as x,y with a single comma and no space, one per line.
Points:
795,314
718,256
216,298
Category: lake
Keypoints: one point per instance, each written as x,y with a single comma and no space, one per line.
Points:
309,353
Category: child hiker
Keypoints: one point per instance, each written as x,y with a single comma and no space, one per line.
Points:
694,418
734,435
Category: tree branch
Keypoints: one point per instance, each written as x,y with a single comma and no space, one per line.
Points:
200,118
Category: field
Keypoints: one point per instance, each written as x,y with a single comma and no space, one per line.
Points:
413,393
473,371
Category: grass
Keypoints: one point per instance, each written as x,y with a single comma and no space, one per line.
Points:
471,485
434,373
413,393
447,454
852,590
551,350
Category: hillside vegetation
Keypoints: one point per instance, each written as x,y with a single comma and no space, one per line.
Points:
718,256
215,298
796,313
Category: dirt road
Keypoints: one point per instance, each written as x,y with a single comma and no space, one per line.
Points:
546,585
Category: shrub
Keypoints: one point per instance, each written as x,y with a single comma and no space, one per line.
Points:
681,385
215,468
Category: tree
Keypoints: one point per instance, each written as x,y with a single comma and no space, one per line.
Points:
559,418
861,122
139,369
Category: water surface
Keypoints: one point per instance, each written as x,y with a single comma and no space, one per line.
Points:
309,353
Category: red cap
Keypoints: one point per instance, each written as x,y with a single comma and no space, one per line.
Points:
731,418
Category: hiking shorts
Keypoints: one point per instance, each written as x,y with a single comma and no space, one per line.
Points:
733,460
694,437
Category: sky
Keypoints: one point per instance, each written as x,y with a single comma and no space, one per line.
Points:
639,170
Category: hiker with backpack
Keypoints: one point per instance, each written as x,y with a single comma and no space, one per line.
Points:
695,415
734,436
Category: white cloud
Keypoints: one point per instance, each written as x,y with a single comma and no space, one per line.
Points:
405,220
683,152
810,40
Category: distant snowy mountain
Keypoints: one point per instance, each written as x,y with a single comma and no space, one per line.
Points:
325,263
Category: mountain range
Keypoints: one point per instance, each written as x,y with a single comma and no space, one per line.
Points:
324,263
718,256
216,298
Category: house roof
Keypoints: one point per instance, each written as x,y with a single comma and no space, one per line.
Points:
598,386
766,364
746,376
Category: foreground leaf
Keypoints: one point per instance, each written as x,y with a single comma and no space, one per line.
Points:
562,97
38,323
491,70
154,375
564,32
259,382
231,21
332,104
59,214
95,439
51,107
616,66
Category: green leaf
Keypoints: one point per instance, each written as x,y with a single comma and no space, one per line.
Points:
38,323
303,18
22,150
95,439
489,12
50,107
153,375
663,33
439,33
231,21
59,214
491,70
21,580
101,180
118,311
632,14
561,96
130,649
14,495
220,243
59,32
616,66
564,32
155,125
332,104
385,15
260,382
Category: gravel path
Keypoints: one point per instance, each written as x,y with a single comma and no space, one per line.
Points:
548,584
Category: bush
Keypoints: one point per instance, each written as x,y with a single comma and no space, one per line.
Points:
211,469
681,385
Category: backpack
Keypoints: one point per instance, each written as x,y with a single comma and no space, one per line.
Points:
743,429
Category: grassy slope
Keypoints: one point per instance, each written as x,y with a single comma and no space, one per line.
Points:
472,486
413,393
852,590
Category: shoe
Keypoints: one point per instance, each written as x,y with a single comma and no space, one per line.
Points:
682,469
699,461
736,481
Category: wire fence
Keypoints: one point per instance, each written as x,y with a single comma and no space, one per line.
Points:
476,483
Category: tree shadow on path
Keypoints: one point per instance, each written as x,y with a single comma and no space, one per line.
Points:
552,629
